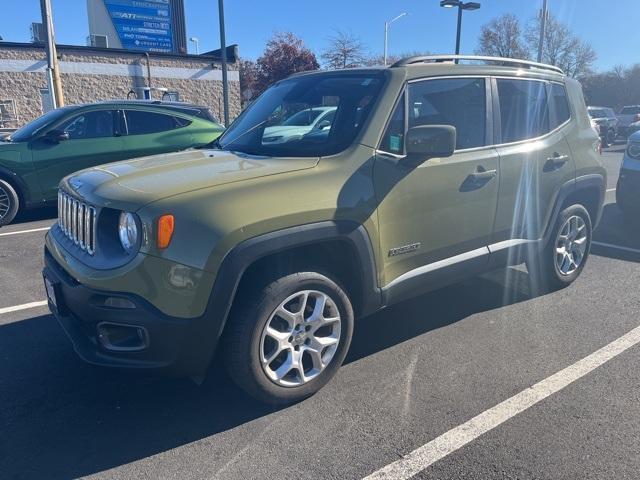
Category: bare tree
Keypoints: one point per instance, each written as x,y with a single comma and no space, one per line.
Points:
344,50
502,37
561,47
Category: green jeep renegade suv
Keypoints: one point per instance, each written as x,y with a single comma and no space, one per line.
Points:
429,172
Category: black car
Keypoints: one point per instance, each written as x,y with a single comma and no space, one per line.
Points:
607,122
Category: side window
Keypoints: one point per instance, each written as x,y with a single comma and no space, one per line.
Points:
560,103
181,122
96,124
393,138
460,102
524,112
140,122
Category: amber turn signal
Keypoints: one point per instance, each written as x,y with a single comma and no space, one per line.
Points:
166,224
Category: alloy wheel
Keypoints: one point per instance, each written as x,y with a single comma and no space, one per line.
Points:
571,245
5,203
300,338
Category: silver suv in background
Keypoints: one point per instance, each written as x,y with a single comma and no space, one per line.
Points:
629,120
607,122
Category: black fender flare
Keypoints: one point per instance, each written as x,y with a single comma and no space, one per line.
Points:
243,255
579,183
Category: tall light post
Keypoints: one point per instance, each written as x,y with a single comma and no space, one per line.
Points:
386,34
543,24
461,6
196,41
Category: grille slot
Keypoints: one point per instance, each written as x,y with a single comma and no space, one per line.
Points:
77,221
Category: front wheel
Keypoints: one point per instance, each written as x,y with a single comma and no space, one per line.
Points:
288,339
9,203
565,255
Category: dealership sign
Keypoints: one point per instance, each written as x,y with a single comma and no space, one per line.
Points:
142,24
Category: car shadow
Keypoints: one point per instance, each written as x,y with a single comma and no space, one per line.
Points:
617,236
62,418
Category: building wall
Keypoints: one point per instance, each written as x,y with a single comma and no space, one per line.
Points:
90,75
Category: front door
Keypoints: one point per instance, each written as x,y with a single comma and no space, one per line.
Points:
440,213
92,140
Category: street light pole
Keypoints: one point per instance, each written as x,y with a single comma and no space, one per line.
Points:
543,25
386,34
461,6
196,42
458,29
53,70
223,49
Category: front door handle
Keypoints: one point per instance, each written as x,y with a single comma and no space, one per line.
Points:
483,175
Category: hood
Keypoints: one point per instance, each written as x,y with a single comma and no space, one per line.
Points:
131,184
635,137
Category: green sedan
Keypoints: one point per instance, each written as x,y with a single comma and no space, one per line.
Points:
36,157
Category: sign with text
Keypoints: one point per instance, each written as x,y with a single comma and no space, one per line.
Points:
142,24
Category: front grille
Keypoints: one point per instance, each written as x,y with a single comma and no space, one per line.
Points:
77,220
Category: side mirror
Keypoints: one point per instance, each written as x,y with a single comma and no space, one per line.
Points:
323,124
428,141
56,136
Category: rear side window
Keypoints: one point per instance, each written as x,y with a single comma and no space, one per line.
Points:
630,110
460,102
142,123
393,138
524,111
560,103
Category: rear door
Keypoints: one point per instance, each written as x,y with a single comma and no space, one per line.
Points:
150,133
93,140
535,159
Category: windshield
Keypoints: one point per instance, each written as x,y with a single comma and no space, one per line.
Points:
298,102
30,129
597,113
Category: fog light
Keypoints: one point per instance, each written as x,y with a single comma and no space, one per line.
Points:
118,302
123,338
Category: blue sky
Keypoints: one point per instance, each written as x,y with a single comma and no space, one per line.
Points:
610,26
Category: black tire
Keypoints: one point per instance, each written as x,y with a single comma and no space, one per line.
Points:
610,137
545,274
243,337
9,203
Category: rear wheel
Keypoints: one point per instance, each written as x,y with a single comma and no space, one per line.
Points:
565,255
9,203
287,340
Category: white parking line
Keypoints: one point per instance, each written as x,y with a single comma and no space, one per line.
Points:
25,306
617,247
461,435
25,231
611,190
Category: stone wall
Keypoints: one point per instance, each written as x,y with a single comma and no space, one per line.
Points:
90,75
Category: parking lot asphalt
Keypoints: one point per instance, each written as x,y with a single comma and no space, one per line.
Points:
414,372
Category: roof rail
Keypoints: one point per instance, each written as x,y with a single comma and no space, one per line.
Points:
476,58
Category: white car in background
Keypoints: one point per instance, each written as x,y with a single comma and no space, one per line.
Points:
299,124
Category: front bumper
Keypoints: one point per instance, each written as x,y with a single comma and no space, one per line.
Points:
129,332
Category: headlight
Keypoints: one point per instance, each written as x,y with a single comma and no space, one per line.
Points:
128,231
634,150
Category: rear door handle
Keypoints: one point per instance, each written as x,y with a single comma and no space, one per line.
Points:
484,175
558,160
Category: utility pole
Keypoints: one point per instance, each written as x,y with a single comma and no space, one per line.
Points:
53,69
223,49
543,25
